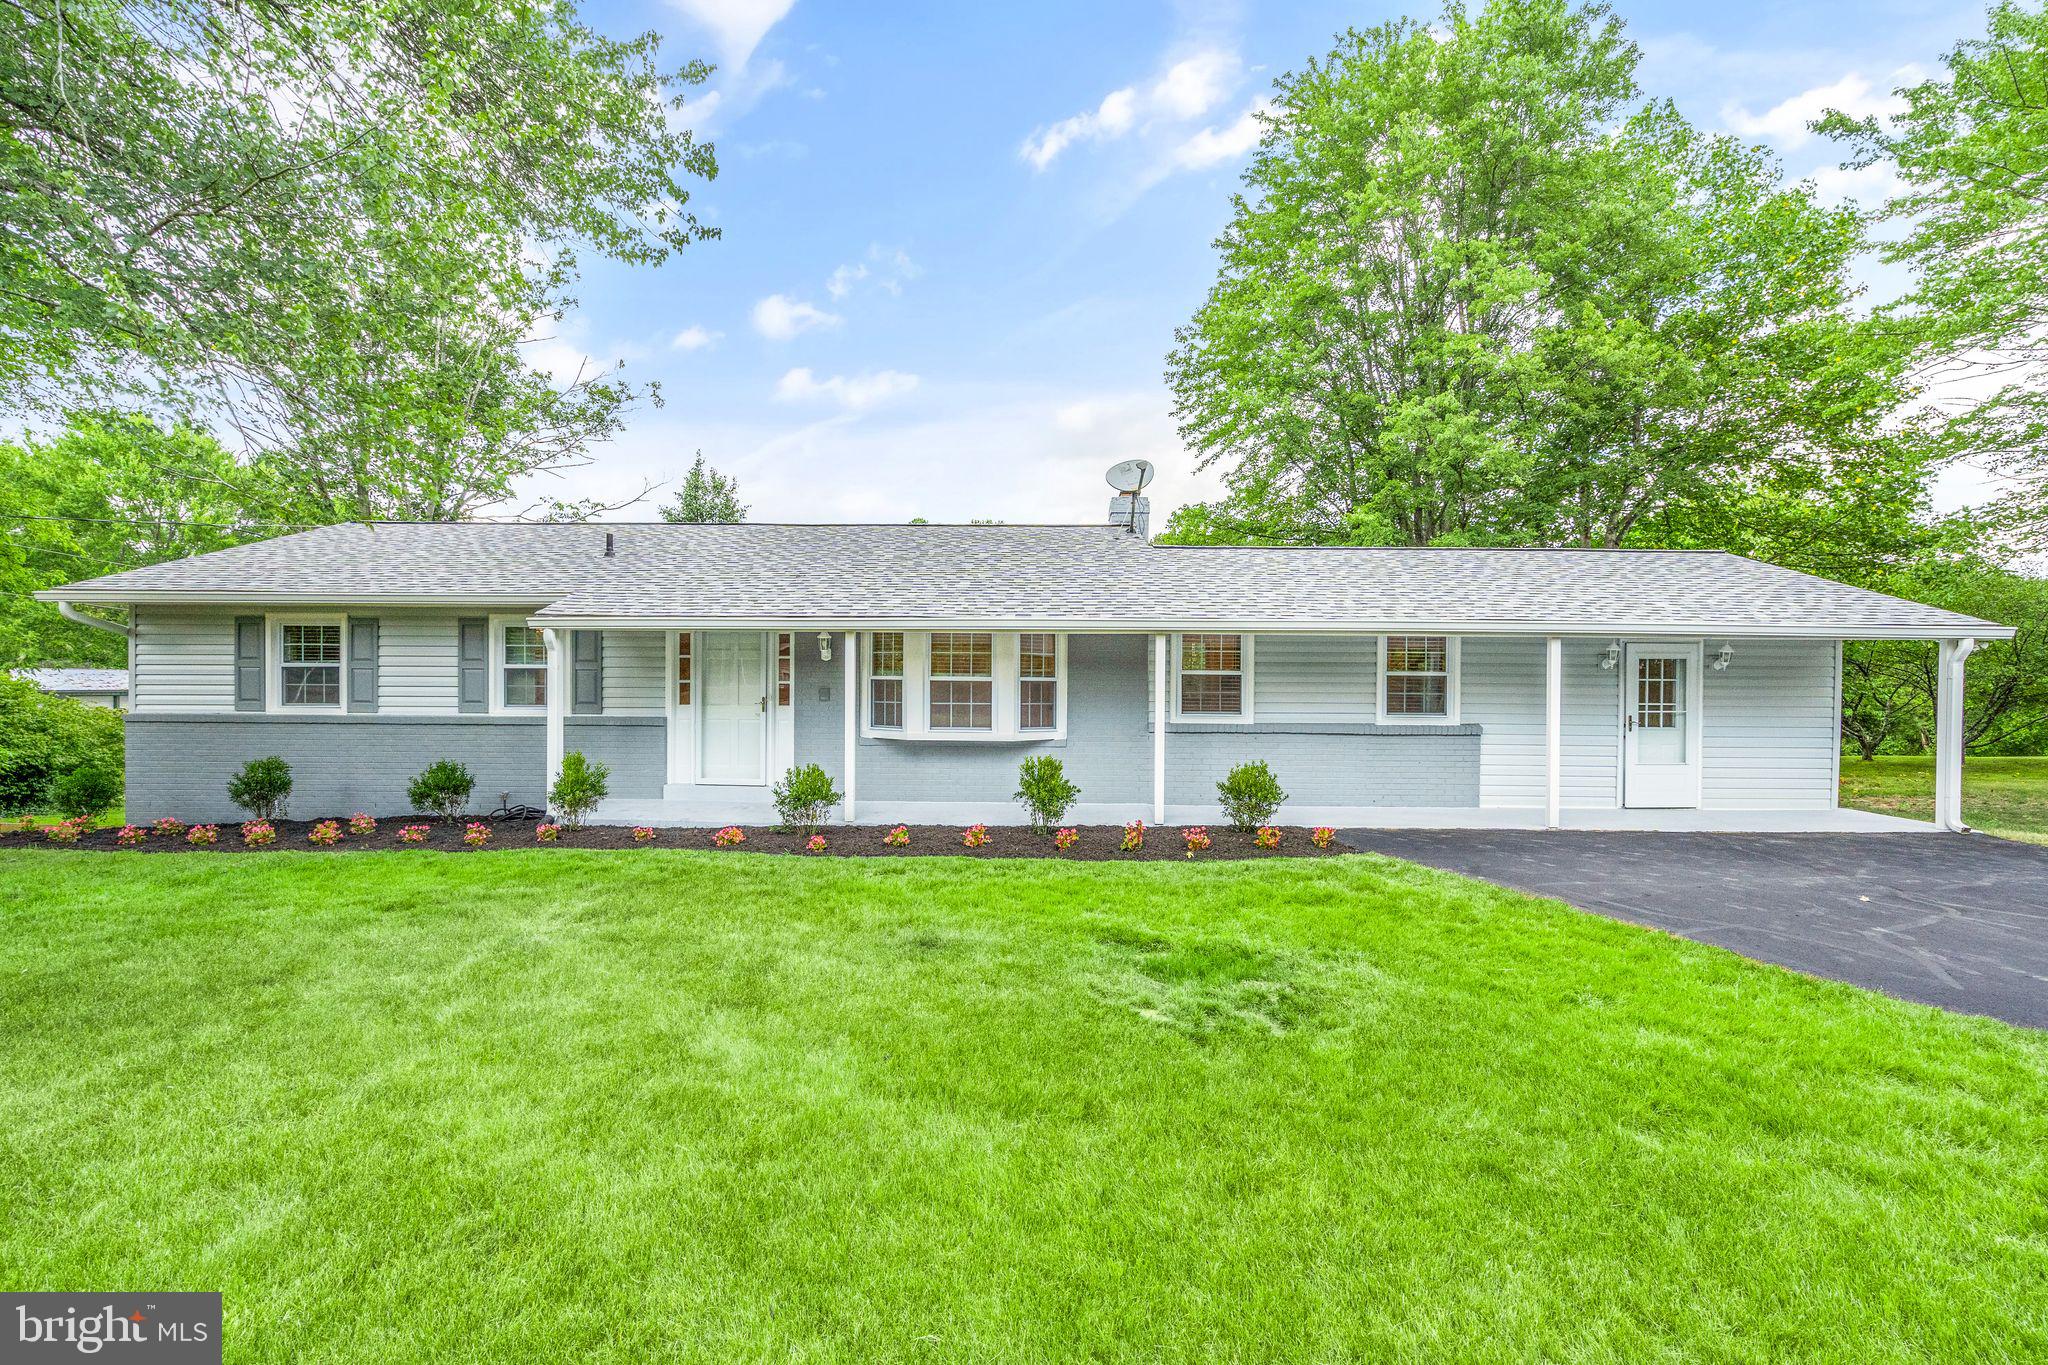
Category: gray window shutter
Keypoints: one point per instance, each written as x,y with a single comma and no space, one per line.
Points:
362,663
473,664
248,663
586,691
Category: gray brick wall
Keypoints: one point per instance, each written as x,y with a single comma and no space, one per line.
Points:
179,765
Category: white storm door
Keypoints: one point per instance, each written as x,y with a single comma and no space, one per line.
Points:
732,706
1660,726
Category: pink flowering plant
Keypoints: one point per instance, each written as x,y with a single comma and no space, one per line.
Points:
202,835
898,837
360,823
1134,837
642,833
412,834
131,836
1065,839
815,844
1196,837
1268,836
975,836
165,827
257,833
326,834
67,831
732,836
546,833
477,835
1322,836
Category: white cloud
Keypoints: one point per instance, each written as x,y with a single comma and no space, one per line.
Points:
564,352
1192,87
855,393
1158,109
695,338
780,317
1227,143
737,25
844,279
1785,123
1114,117
889,267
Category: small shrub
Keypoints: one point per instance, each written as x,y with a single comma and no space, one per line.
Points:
67,831
545,833
815,844
262,787
164,827
442,790
1134,837
1267,837
732,836
1196,838
1066,839
326,834
1043,787
257,833
203,834
975,836
1250,796
898,837
579,787
85,790
44,736
413,834
1322,836
131,836
477,835
804,797
642,833
360,823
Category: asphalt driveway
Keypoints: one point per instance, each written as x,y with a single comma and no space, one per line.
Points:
1959,921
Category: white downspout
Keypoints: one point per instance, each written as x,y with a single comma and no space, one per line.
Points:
71,613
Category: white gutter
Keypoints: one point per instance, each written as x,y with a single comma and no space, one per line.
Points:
71,613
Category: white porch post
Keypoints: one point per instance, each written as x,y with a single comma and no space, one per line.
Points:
558,707
1948,733
852,674
1159,729
1553,729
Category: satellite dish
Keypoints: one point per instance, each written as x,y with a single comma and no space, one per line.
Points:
1131,476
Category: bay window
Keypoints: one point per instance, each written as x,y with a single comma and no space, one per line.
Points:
963,680
965,685
1418,678
885,680
1038,687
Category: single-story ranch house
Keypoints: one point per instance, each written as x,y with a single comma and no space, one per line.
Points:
919,664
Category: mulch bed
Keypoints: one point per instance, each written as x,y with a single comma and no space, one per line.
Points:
1098,843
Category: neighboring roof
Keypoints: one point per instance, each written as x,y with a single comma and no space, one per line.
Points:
94,680
1020,577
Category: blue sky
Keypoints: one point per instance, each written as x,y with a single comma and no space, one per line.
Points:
958,237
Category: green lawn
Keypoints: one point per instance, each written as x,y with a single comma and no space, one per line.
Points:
655,1105
2005,796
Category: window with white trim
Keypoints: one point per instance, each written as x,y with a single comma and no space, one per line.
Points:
885,679
963,680
1038,682
309,664
524,684
1418,678
1212,677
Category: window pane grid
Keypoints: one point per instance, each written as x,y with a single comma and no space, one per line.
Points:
1657,698
785,668
1212,675
1418,675
963,680
683,668
1038,688
311,659
885,679
526,674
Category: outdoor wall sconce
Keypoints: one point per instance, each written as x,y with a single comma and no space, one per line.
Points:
1724,658
825,646
1610,658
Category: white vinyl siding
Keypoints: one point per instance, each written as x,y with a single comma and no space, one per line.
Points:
635,672
1315,678
1501,687
1591,775
1768,729
416,663
184,659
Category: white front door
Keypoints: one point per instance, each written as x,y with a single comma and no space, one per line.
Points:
1660,726
732,706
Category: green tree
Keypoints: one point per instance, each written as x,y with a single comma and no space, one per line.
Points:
706,496
1971,148
330,226
113,492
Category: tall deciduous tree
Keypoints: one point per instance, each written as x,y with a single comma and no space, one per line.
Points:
329,224
1972,150
1467,297
706,496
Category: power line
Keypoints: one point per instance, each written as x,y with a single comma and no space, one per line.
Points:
167,521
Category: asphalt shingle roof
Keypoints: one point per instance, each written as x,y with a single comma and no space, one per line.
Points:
1021,576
